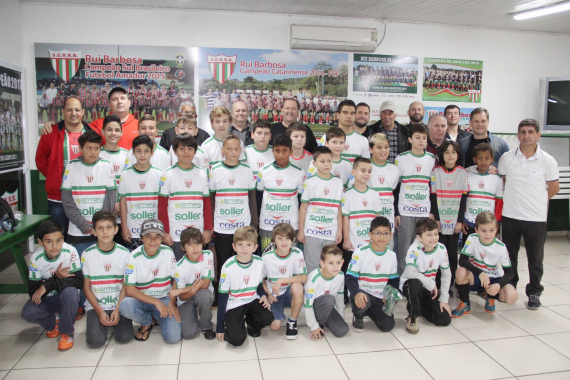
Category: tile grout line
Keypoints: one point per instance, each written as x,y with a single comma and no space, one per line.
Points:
24,354
336,356
412,355
180,357
258,361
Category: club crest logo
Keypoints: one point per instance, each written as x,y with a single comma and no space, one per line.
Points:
279,181
116,167
301,261
377,265
483,255
381,179
431,262
246,279
52,272
188,183
260,163
418,167
107,266
179,74
364,202
222,66
231,181
65,63
198,274
326,190
75,149
89,177
326,291
282,269
142,184
155,271
346,146
449,182
481,184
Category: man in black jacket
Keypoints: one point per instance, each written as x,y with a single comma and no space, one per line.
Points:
396,133
290,114
186,109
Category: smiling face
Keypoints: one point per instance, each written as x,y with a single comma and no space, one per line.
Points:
323,163
152,242
112,132
283,245
380,152
332,265
362,116
105,231
388,118
362,173
239,112
380,237
479,124
290,111
73,113
487,232
429,239
148,128
185,154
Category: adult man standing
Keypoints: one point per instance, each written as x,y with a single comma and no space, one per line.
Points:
241,127
362,119
416,113
479,122
290,114
437,131
531,180
396,133
355,145
453,115
185,109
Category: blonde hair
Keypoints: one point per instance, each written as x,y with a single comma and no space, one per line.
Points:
485,217
229,137
377,139
330,249
219,112
247,233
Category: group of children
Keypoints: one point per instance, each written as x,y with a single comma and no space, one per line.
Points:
323,235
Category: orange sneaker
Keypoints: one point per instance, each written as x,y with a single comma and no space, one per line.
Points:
65,342
55,332
80,313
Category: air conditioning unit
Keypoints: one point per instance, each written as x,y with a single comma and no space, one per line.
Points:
306,37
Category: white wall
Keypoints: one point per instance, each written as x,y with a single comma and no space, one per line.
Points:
11,32
513,61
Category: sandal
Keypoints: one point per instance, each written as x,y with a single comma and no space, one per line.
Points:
154,322
144,334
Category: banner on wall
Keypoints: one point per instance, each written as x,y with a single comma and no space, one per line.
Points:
452,80
11,124
464,114
264,78
385,73
157,78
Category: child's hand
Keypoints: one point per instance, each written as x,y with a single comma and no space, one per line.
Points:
458,228
174,293
62,273
117,209
397,221
207,235
126,234
265,302
445,306
492,170
220,336
90,232
37,297
347,245
360,300
464,228
104,318
115,316
276,287
317,334
338,236
173,312
484,280
301,236
161,308
493,289
435,292
432,216
271,298
167,240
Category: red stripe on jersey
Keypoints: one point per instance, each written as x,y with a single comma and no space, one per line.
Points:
450,191
135,199
283,194
368,279
87,192
385,193
415,180
324,204
482,197
106,282
430,274
187,198
154,285
248,294
231,194
360,216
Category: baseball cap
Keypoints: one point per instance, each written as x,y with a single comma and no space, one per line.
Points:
152,225
388,105
116,89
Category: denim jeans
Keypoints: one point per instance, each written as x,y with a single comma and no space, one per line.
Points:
283,301
143,313
55,210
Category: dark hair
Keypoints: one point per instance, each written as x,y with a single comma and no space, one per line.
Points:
483,147
360,160
293,100
380,221
89,136
296,126
362,104
283,229
49,227
186,120
330,249
184,139
529,123
142,140
346,103
283,140
479,110
333,132
71,97
443,148
321,150
104,216
450,107
425,225
191,235
417,128
261,124
112,119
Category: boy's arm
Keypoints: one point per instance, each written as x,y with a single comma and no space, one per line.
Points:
411,272
434,209
58,285
213,203
163,212
72,212
253,208
462,207
222,305
208,213
352,284
445,283
110,199
340,225
42,154
124,211
396,200
310,317
33,286
464,263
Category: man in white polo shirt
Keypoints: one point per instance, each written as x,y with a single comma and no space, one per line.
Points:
531,179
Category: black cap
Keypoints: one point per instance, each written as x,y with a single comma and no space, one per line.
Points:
116,89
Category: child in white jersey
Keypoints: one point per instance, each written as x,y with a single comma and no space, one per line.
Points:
259,153
285,273
149,277
103,271
342,167
324,295
220,120
480,270
301,158
160,157
241,295
195,291
187,125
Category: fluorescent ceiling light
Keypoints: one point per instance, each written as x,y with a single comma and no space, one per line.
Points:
562,7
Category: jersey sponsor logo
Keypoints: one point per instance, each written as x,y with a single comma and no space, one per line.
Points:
143,205
107,289
449,211
143,215
90,211
319,232
129,268
481,184
230,201
310,293
188,216
278,207
418,167
231,181
223,278
359,223
362,232
276,220
108,300
246,279
231,211
89,177
89,200
416,187
326,190
142,184
384,211
416,197
449,182
232,224
321,219
188,183
416,208
279,181
107,266
162,179
323,210
187,204
155,271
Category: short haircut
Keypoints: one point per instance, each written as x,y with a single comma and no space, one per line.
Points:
417,128
71,97
345,103
283,140
89,136
333,132
219,112
443,148
321,150
425,225
230,137
191,235
434,116
184,139
292,100
360,160
380,221
104,216
479,110
362,104
485,217
112,119
283,229
142,140
330,249
247,233
261,124
376,139
529,123
49,227
296,126
148,117
186,103
450,107
483,147
187,120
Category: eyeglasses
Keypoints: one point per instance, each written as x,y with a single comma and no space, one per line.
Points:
380,234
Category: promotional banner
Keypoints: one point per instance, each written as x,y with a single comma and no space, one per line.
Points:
157,78
464,114
264,78
452,80
385,73
11,128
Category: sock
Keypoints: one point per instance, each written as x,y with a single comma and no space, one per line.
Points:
463,292
292,320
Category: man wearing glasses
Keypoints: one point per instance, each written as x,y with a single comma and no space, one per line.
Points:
186,109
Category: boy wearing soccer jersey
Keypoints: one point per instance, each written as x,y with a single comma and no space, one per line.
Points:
195,293
187,126
479,269
285,272
149,277
418,282
280,183
301,158
372,278
53,281
184,196
103,272
324,295
342,168
259,154
412,195
160,157
242,299
220,120
320,214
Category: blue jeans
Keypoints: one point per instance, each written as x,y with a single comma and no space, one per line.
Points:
143,313
55,210
283,301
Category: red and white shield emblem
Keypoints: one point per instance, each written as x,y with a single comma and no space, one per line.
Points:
301,261
198,274
418,167
346,146
188,183
282,269
431,263
483,255
89,177
260,163
364,202
279,181
155,271
107,266
246,279
52,272
222,66
231,181
142,184
326,291
75,149
449,182
326,190
210,262
377,265
116,166
381,179
65,63
481,184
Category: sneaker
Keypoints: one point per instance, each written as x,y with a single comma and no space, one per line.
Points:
412,325
461,309
292,332
490,305
253,332
80,314
533,302
55,332
65,342
210,334
358,324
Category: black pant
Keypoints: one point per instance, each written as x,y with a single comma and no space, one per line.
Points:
224,250
420,303
450,242
253,313
373,309
534,235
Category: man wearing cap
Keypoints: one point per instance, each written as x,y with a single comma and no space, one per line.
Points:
149,277
396,133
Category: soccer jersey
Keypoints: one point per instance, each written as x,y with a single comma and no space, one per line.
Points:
152,275
384,180
117,159
323,197
483,191
415,175
188,272
41,267
342,169
160,158
361,208
185,189
213,155
302,162
88,185
317,286
449,187
198,159
373,269
105,271
141,192
355,146
257,159
427,263
486,257
280,203
241,281
232,186
276,267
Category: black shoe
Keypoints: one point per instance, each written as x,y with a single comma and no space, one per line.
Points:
252,332
533,302
209,334
292,332
358,324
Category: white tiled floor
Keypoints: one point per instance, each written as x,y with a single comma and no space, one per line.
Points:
513,343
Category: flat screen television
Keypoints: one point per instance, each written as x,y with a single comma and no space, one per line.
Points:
556,104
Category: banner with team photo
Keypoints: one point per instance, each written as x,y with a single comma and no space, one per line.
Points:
452,80
89,72
464,114
11,124
264,78
385,73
